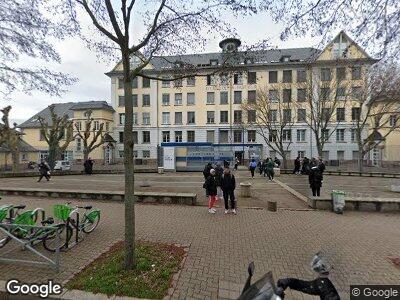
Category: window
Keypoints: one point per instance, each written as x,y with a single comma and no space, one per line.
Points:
210,98
287,115
340,74
178,99
178,136
340,114
165,118
341,93
191,117
301,154
251,116
191,81
326,74
237,97
134,82
273,135
237,78
301,115
191,136
178,118
356,155
96,125
121,119
273,76
146,118
251,135
165,136
301,75
121,137
190,99
165,84
273,95
223,136
210,136
135,154
223,116
178,82
325,93
120,83
134,119
272,115
325,155
146,137
355,113
214,62
223,98
121,101
339,135
78,144
353,134
237,136
325,134
251,97
287,95
210,117
210,80
224,79
237,116
340,155
135,137
165,99
356,73
356,92
287,135
146,100
251,78
287,76
301,95
301,135
326,114
135,100
145,82
146,153
393,120
78,125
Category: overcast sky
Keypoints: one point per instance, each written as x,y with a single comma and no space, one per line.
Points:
79,62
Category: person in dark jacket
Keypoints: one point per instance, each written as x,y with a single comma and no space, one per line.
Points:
206,171
236,163
259,166
315,180
305,169
264,167
88,166
277,162
211,189
44,170
270,169
219,171
297,165
321,165
228,188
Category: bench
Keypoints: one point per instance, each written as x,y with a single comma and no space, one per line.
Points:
359,204
142,197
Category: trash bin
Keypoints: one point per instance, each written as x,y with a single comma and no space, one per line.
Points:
338,201
160,170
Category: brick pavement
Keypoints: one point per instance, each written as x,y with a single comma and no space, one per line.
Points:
356,244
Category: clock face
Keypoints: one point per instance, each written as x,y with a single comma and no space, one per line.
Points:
230,46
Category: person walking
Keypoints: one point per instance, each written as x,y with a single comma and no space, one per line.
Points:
297,166
44,170
270,169
264,166
228,188
277,162
252,167
236,163
315,180
211,190
260,167
305,169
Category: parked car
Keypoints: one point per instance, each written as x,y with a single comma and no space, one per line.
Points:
62,165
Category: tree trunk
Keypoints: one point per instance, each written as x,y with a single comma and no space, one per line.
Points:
51,160
130,260
85,155
284,162
15,159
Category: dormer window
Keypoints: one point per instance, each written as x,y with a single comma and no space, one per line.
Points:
248,61
340,47
285,58
214,62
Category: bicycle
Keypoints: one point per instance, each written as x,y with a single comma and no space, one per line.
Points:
65,213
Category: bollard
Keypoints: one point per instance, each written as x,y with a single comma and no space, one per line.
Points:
277,172
272,206
160,170
245,190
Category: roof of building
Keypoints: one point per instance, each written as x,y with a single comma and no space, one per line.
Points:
23,147
62,109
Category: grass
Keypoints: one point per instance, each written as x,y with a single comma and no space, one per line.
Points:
156,264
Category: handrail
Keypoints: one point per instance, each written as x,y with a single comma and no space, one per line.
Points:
352,173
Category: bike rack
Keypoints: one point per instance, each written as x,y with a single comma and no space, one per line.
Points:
28,244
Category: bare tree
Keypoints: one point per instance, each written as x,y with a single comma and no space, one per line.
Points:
378,110
10,138
91,136
325,96
171,26
26,29
272,118
375,23
58,134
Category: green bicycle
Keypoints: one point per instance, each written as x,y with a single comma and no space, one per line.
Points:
70,222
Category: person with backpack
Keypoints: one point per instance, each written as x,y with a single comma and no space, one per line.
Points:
277,162
44,170
219,171
211,190
228,187
270,169
252,167
297,165
315,179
